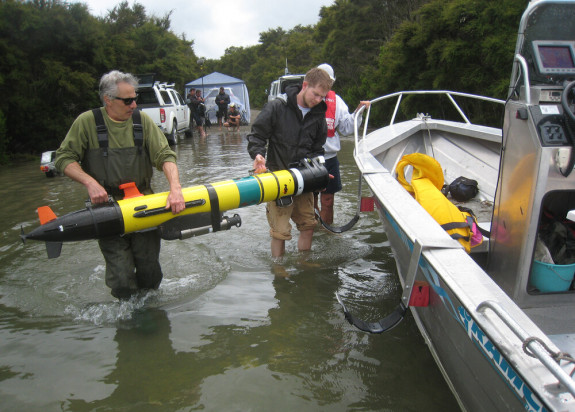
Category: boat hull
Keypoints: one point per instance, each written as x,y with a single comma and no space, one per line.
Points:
477,373
481,357
502,337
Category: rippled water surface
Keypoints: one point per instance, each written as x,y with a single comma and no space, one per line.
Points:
229,328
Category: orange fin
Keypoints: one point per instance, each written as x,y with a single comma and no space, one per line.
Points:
46,215
130,190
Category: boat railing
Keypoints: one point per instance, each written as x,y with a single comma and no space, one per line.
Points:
399,95
520,60
536,347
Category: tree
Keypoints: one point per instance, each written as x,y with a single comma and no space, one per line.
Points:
461,45
55,52
40,92
453,45
352,33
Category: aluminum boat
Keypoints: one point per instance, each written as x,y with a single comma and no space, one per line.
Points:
500,329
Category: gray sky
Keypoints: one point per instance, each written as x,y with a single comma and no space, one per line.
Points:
215,25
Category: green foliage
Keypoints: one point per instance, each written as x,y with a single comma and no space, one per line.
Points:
461,45
47,70
55,52
3,139
352,34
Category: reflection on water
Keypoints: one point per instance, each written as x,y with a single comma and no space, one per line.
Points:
229,328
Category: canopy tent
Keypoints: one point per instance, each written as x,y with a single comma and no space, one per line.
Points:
235,88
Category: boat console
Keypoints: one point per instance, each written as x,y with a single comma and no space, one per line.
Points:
536,187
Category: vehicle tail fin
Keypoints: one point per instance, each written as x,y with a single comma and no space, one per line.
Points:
53,249
46,214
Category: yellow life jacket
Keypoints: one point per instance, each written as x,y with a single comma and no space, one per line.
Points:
426,183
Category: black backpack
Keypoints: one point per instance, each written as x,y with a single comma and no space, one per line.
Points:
463,189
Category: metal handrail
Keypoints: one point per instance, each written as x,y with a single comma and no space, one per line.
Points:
525,71
538,350
399,95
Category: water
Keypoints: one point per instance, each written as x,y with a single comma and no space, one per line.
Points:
229,329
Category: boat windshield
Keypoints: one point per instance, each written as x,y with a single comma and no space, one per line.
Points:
547,42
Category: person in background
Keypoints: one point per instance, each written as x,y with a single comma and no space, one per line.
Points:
132,261
233,118
339,121
290,128
199,111
222,101
190,96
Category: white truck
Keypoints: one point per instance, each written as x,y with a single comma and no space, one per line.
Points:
278,86
165,106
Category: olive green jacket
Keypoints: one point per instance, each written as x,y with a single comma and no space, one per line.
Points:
81,144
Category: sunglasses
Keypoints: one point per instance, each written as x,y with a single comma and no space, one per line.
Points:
127,100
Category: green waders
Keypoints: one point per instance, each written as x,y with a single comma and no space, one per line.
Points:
132,261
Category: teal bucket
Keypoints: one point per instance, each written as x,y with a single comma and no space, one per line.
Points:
548,277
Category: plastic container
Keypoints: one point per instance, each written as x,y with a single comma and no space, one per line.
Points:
548,277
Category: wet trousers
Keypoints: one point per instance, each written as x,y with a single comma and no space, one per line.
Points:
132,262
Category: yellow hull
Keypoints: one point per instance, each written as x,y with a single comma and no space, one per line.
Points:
144,212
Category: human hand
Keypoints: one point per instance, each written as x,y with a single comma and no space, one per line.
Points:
363,103
325,188
176,201
259,164
97,193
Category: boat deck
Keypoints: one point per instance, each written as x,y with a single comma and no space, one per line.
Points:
565,342
555,321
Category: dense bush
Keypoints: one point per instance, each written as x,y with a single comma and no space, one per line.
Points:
55,52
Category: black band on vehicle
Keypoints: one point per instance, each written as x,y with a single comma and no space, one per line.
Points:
215,208
278,183
262,190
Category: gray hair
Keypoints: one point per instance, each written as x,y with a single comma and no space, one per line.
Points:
109,83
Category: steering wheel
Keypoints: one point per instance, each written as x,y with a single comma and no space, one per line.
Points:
569,122
565,101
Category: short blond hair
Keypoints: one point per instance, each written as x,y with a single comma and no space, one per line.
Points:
318,77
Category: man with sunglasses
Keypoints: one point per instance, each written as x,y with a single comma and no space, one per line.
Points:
105,148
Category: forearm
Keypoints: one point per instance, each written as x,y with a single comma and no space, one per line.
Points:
175,200
159,151
345,120
96,192
75,172
259,136
256,146
172,175
317,146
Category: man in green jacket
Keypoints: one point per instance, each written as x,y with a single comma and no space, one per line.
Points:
118,151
